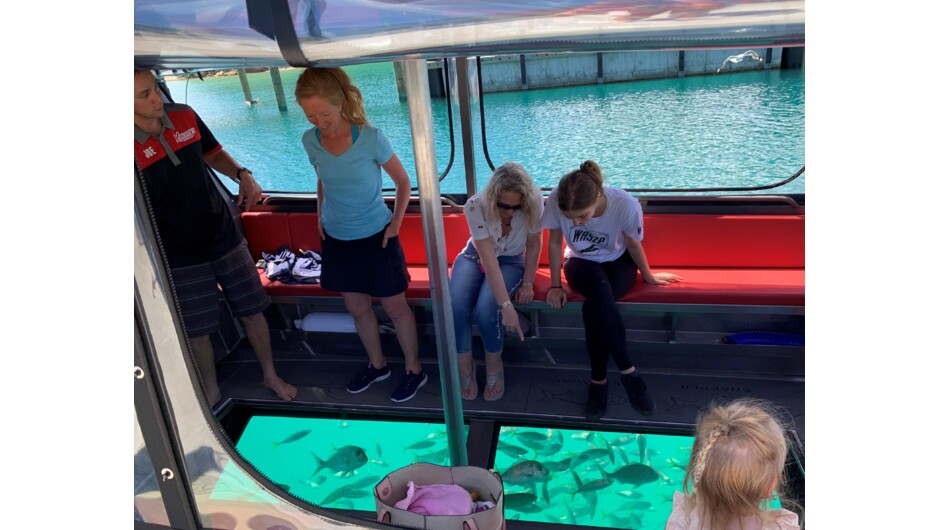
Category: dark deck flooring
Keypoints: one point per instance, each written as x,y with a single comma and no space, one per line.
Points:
546,386
537,393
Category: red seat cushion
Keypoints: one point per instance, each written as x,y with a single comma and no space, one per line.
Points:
294,289
783,287
304,231
724,241
265,232
749,260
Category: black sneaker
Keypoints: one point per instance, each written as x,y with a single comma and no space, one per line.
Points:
409,386
640,399
597,401
368,376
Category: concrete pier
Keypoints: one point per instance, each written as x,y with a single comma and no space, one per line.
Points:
504,73
246,88
278,89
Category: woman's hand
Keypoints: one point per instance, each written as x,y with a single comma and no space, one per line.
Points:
556,298
511,321
524,294
390,231
662,278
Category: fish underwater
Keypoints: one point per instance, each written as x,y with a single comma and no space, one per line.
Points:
676,463
571,516
345,460
422,444
515,501
292,438
530,436
552,444
349,491
598,441
526,472
634,474
591,454
441,456
637,505
623,440
623,454
512,450
594,485
632,494
560,465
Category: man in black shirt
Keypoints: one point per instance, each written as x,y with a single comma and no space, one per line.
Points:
171,148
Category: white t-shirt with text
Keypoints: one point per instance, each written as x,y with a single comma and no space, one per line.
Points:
601,239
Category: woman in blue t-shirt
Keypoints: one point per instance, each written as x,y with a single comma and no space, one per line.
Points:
362,256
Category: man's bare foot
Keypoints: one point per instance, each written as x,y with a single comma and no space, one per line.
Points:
284,390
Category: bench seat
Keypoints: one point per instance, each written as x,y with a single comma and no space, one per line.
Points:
777,287
723,259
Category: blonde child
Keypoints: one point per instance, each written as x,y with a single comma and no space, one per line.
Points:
737,463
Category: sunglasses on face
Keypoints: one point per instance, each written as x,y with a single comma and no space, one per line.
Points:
502,206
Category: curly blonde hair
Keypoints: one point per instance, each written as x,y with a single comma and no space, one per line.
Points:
333,85
512,177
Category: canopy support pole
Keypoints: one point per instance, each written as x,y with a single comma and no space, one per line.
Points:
432,220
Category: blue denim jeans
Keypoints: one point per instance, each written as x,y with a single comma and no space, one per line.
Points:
472,297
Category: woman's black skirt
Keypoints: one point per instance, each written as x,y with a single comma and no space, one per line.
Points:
363,266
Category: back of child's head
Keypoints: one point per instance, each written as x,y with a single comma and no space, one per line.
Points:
737,460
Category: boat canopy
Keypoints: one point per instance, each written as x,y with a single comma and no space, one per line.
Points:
182,34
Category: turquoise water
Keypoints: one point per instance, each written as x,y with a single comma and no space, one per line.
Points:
736,129
595,478
627,480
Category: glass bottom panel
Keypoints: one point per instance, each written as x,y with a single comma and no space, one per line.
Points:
335,463
550,475
591,478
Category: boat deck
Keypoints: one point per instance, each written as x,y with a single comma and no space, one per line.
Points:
545,383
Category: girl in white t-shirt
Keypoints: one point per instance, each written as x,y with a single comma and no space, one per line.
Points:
602,227
737,463
497,266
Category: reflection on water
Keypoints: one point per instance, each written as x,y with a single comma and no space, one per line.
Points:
594,478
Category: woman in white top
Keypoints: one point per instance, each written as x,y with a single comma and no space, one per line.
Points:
504,247
603,228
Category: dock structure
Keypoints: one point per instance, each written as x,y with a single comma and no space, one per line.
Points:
507,73
278,89
246,88
275,80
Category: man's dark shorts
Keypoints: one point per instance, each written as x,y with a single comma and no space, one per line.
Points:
197,290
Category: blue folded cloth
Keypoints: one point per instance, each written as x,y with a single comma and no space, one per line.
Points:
307,267
279,264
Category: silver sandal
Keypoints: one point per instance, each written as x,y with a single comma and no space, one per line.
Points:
471,379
